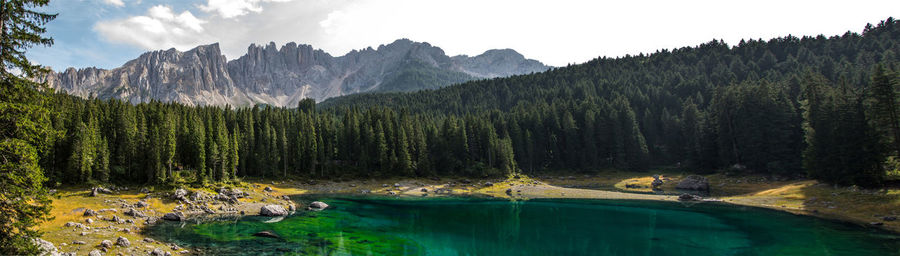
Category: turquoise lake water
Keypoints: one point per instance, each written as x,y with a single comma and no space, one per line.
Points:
469,226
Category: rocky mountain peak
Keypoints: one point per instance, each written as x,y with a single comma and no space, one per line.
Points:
283,76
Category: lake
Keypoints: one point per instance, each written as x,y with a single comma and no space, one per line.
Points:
473,226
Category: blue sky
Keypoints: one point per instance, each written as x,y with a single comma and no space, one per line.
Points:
107,33
78,45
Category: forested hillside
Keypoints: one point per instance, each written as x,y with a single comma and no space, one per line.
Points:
789,106
707,107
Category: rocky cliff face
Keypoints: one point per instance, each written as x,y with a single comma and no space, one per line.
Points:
282,77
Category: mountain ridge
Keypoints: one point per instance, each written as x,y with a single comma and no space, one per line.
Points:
282,76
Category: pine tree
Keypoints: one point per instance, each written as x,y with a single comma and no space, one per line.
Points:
884,109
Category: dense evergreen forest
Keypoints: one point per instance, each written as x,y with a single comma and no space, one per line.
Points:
159,143
813,106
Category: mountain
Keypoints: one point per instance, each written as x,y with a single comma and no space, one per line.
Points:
282,77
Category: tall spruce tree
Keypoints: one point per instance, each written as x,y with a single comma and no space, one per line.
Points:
27,130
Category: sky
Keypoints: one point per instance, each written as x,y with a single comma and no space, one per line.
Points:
107,33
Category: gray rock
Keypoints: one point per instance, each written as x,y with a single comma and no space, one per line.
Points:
238,193
122,241
135,213
689,197
158,252
149,240
268,189
198,196
318,205
45,247
79,242
396,185
488,184
89,221
89,212
694,182
75,224
141,204
292,207
889,218
106,244
272,210
173,216
145,190
424,190
179,194
95,253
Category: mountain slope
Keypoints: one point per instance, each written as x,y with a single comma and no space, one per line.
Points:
282,77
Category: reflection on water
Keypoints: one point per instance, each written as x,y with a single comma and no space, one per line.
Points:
373,226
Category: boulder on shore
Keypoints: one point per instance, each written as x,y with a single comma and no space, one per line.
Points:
694,182
689,197
272,210
174,216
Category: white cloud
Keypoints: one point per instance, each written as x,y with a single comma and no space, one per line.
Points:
234,8
557,32
160,28
118,3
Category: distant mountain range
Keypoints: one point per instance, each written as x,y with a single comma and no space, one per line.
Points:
282,77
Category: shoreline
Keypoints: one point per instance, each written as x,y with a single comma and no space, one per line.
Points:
69,203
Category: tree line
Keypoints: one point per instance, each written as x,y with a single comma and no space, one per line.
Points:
114,141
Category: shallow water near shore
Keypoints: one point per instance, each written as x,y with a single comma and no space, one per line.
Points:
477,226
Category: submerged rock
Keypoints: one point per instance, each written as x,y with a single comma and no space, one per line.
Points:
266,233
694,182
272,210
318,205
